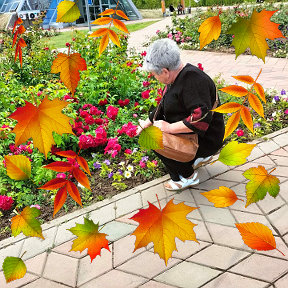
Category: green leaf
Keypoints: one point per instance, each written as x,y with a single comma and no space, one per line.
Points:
13,268
151,138
235,154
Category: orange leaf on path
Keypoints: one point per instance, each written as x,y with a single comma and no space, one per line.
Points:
256,104
247,119
89,237
244,78
39,122
260,91
209,30
120,25
257,236
222,197
69,67
121,14
228,107
235,90
162,226
232,124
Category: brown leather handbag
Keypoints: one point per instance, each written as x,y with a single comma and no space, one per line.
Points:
180,147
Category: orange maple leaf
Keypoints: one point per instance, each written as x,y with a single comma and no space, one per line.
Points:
253,32
69,66
257,236
162,226
89,237
39,123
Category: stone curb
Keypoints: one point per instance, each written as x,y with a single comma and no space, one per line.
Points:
63,219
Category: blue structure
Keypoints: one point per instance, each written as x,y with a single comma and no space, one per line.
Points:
30,9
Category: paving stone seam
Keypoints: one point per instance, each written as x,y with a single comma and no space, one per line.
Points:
274,282
251,277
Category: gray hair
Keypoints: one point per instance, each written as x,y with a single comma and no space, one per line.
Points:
163,53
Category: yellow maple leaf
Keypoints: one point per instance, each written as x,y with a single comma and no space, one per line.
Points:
69,67
209,30
67,11
39,122
162,226
253,32
18,167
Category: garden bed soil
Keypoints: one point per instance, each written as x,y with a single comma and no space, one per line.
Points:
99,188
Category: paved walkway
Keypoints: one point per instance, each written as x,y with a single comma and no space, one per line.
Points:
221,260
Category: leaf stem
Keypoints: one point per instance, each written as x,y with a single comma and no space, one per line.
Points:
69,50
256,78
101,227
240,199
272,171
158,202
213,162
26,251
113,14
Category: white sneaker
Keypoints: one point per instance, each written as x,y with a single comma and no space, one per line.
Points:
200,161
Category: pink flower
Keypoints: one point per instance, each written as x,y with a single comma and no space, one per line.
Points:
61,175
155,162
112,112
36,206
86,141
143,54
157,31
89,120
129,129
100,136
129,63
98,121
286,111
6,202
146,83
84,114
128,151
95,111
200,66
39,93
85,106
240,132
145,94
142,164
112,147
135,115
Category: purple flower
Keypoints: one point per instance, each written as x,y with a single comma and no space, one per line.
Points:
229,114
276,98
110,175
144,158
257,125
283,92
107,162
120,171
97,165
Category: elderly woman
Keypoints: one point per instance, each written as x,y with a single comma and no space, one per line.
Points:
189,95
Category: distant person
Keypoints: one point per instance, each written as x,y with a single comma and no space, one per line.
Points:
180,9
171,8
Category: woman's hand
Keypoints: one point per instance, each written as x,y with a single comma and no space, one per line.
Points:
142,125
162,125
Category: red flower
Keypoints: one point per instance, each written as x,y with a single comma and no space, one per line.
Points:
95,111
150,75
6,202
68,44
86,127
112,147
85,106
143,53
129,63
84,114
86,141
102,102
123,103
79,131
200,66
132,71
98,121
146,83
129,129
158,99
89,120
240,132
101,136
128,151
46,48
73,39
112,112
145,94
136,104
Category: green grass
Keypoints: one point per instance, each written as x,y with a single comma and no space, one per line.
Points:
60,40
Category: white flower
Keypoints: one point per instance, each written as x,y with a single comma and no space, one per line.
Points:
121,163
130,168
127,174
274,114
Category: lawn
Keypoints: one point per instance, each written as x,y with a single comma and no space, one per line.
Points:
60,40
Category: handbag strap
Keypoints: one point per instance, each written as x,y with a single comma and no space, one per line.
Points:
214,107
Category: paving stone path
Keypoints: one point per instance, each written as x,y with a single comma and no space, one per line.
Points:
221,260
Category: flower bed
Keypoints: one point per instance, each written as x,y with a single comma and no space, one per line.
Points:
112,95
185,30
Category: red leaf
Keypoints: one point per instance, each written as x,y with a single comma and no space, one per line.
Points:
67,154
60,199
59,166
22,43
20,55
74,192
54,184
18,21
15,39
81,177
83,163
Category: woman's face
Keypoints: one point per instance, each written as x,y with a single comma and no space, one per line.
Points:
163,77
